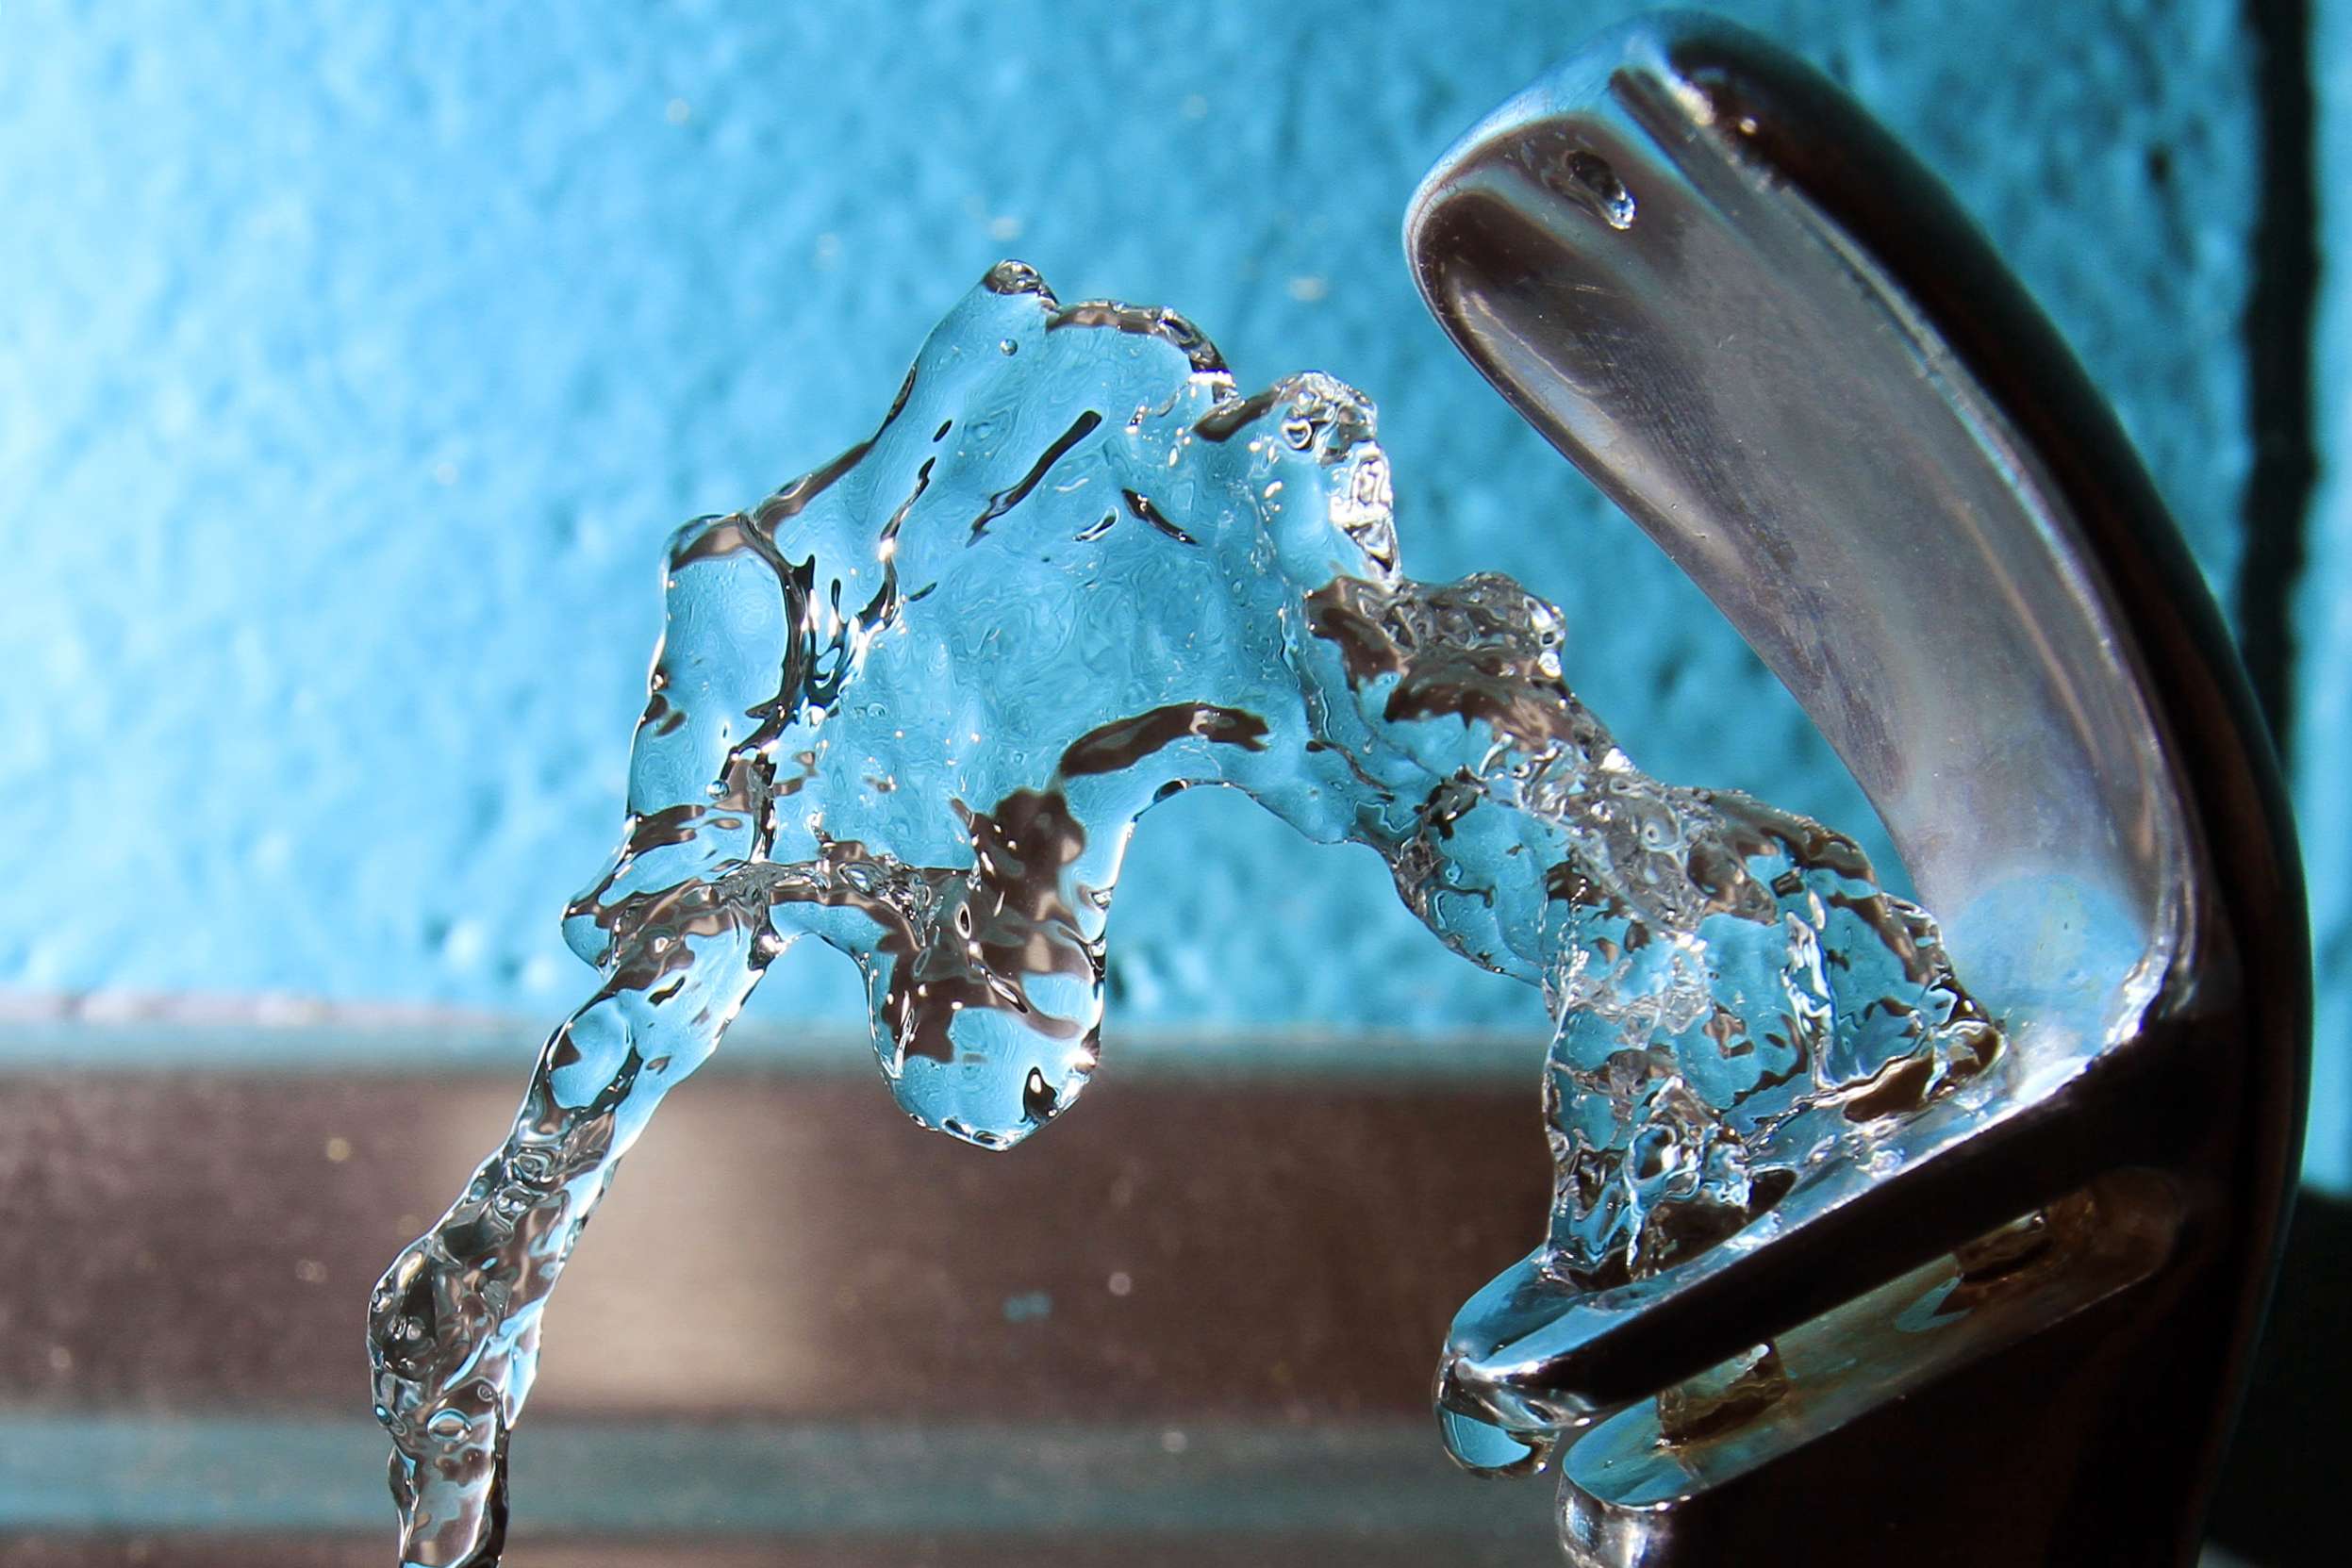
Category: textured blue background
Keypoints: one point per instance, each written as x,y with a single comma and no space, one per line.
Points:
2321,759
354,360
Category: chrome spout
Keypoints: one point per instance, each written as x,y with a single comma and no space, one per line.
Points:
1773,339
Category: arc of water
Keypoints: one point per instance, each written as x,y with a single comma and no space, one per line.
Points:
913,705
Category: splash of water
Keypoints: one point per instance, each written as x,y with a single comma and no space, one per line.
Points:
914,703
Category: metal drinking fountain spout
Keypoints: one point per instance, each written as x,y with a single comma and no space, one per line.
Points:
2017,1330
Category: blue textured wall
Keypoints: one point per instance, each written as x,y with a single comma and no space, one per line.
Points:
354,360
2322,762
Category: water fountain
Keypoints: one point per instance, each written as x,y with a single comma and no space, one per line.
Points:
915,702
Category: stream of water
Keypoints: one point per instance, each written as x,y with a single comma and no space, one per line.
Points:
914,703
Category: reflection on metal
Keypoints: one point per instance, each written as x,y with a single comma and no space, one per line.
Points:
894,1482
1865,1353
1208,1338
1770,337
1199,1262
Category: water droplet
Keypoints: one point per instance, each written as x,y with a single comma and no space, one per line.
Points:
1589,177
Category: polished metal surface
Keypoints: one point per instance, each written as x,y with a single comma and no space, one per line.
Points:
1771,338
1163,1336
1619,252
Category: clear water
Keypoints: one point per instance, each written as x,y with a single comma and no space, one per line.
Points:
914,703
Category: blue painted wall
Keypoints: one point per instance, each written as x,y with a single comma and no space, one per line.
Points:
354,359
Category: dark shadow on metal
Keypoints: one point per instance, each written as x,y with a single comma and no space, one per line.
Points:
2017,1330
